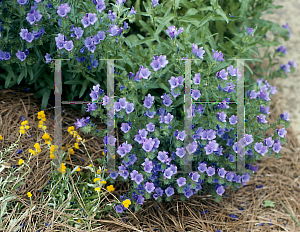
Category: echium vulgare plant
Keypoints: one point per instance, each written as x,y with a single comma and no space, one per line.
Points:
154,149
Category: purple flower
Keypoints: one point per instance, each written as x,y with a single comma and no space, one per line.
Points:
173,82
232,72
169,191
292,63
172,31
114,30
132,12
195,94
119,209
30,18
150,127
233,120
69,45
230,176
148,101
202,167
199,53
100,6
168,173
222,172
261,118
195,176
222,74
63,9
148,145
258,147
125,127
197,79
167,100
218,56
113,174
285,116
210,171
85,21
281,49
192,147
77,31
162,156
112,15
245,177
220,190
277,147
181,181
47,57
222,117
285,68
248,139
21,55
155,2
180,152
281,132
149,187
110,140
22,2
249,30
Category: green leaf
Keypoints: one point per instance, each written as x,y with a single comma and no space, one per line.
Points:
143,41
167,18
206,19
226,48
192,11
177,4
269,203
7,81
17,186
147,27
30,72
85,84
73,82
46,96
21,76
131,39
247,66
222,13
162,85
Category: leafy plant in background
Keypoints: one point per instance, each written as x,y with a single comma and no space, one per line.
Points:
215,22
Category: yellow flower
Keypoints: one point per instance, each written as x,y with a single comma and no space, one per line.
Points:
103,182
70,129
78,139
71,151
90,165
97,189
1,138
53,148
37,146
103,153
96,179
29,194
22,132
27,127
110,188
99,171
44,127
79,220
52,156
126,203
76,146
24,123
21,161
46,136
114,157
22,128
78,169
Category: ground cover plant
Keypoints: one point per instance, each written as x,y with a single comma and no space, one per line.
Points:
148,100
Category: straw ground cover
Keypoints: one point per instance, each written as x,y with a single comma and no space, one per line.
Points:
269,202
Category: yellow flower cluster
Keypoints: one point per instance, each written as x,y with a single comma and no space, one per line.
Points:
110,188
126,203
29,194
1,138
62,168
22,128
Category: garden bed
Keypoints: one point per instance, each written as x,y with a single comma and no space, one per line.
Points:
275,184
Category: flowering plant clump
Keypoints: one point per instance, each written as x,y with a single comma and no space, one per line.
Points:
149,112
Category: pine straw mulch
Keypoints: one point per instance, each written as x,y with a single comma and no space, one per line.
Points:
279,178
